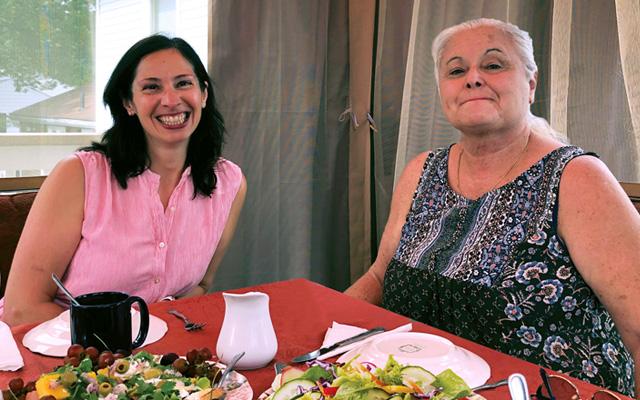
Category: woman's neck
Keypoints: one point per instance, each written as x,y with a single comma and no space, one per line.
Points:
167,160
482,163
493,145
169,164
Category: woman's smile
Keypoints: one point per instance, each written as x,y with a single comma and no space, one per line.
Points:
167,97
174,121
476,99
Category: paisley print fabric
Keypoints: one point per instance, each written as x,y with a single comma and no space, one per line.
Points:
494,270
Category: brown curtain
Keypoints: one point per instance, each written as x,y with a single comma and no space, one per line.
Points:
361,31
281,72
392,44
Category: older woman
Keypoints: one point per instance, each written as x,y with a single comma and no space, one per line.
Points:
509,237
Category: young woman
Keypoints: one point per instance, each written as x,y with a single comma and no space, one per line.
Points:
149,210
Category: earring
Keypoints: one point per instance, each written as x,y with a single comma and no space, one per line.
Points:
131,112
204,104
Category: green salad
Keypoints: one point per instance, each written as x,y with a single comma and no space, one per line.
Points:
87,375
365,381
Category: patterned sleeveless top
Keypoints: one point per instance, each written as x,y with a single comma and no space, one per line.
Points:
493,270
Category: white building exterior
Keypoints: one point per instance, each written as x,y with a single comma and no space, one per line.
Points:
119,24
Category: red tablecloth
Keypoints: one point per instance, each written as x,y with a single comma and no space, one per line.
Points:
301,312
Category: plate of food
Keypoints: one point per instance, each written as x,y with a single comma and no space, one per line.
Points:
87,375
431,352
53,337
365,380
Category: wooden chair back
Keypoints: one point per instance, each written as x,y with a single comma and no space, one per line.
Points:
633,191
16,198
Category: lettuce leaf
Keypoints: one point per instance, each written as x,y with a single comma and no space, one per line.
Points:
354,390
315,373
453,387
391,374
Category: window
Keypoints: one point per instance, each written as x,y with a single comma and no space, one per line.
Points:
56,60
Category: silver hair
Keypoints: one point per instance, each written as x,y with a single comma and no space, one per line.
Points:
521,40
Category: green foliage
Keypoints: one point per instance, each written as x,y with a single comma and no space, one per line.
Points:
47,41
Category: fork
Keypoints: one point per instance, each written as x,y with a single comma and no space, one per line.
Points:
188,325
490,385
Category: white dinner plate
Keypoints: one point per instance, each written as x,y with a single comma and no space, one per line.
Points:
431,352
53,337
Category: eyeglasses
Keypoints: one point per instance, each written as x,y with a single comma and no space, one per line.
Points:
556,387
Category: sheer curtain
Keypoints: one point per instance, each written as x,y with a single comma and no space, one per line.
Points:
281,79
596,80
587,54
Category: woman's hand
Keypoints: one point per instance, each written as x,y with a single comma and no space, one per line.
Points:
47,244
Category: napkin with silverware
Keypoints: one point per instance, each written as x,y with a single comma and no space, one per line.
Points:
10,358
339,331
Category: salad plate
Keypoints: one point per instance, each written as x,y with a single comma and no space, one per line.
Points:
53,337
431,352
267,394
138,376
363,380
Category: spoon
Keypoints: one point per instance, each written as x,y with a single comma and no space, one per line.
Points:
229,368
226,373
518,387
64,289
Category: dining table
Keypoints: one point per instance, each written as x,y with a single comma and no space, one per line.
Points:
301,311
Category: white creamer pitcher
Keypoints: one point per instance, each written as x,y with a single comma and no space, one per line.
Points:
247,327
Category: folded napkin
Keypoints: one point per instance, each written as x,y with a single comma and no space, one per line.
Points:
10,358
338,332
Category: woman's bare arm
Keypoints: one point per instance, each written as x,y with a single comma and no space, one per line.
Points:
601,229
47,244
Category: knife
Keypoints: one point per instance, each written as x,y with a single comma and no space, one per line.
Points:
323,350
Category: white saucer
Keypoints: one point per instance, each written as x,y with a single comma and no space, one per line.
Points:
53,337
431,352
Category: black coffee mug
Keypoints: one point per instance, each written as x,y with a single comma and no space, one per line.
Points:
103,320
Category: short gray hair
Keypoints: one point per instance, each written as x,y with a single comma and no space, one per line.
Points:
521,40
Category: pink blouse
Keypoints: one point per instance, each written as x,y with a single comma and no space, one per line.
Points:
130,243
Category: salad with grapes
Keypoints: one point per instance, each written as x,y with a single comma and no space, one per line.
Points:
88,375
365,381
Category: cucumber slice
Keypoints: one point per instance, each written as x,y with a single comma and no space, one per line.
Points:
376,394
289,374
418,376
290,389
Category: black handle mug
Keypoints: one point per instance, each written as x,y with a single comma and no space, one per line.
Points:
103,320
